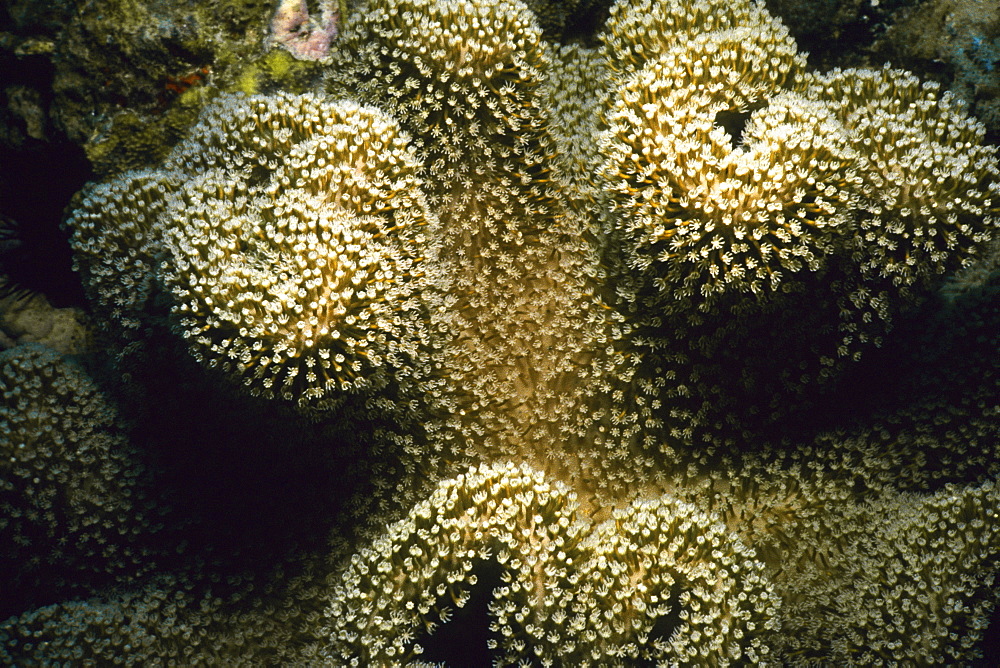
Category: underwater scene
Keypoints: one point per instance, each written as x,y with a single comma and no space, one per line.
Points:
499,333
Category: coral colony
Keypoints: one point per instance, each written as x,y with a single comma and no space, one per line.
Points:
572,325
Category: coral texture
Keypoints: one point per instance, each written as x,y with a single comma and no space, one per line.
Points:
573,593
293,263
74,509
961,35
595,319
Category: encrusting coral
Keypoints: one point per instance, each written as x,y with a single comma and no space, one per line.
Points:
596,314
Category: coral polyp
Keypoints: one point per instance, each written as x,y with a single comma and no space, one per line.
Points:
593,318
292,265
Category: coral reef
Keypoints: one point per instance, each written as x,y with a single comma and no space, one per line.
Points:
305,37
138,52
958,41
655,348
125,78
32,319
